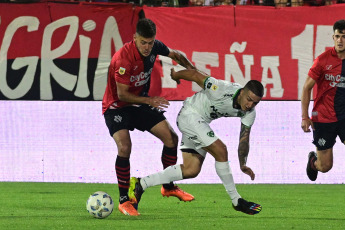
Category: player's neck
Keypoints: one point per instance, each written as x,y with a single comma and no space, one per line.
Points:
341,54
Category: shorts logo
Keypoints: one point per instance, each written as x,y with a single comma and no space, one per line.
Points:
122,71
322,142
210,134
118,119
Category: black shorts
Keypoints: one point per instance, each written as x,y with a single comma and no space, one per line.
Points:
142,117
326,133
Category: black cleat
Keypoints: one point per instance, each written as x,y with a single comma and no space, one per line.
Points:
311,172
135,191
249,208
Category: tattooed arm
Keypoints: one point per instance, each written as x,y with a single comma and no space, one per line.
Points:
243,150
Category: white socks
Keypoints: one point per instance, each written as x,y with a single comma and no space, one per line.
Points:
224,172
171,173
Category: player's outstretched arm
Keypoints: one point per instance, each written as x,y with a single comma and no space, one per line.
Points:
180,59
243,151
189,75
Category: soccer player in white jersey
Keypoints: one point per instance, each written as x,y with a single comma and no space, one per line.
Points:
218,98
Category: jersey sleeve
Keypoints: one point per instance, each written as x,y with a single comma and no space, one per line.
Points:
249,118
214,88
122,72
315,72
161,48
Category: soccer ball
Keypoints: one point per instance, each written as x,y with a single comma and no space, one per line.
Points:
100,205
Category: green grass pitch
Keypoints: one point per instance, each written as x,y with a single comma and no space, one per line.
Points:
63,206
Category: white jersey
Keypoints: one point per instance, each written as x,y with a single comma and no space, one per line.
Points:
216,100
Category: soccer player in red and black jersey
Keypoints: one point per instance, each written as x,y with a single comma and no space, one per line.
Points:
127,106
328,114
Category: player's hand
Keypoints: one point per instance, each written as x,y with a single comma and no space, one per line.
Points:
173,76
159,102
306,123
248,171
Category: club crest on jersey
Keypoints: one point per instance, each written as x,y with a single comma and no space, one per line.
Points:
122,71
152,58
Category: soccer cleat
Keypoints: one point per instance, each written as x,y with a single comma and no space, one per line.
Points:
249,208
135,191
128,209
177,192
311,172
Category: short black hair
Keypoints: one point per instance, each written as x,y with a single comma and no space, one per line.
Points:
339,25
256,87
146,28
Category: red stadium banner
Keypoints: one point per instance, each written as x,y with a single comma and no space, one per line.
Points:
276,46
55,51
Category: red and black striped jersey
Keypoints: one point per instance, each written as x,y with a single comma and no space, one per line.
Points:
328,71
129,67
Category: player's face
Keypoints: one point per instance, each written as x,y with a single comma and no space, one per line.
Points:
248,100
339,40
144,45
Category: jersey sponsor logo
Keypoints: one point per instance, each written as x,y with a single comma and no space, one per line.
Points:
334,79
341,84
140,83
215,113
122,71
141,78
193,138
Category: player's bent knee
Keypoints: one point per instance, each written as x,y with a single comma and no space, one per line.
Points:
124,150
190,173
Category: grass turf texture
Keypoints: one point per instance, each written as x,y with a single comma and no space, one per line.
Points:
62,206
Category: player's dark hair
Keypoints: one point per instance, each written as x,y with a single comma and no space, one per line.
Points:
339,25
146,28
256,87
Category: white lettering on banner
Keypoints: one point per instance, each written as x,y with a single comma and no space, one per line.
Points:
82,89
167,64
48,68
272,64
232,68
201,59
111,35
24,86
302,49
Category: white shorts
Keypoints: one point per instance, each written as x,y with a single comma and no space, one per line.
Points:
196,132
